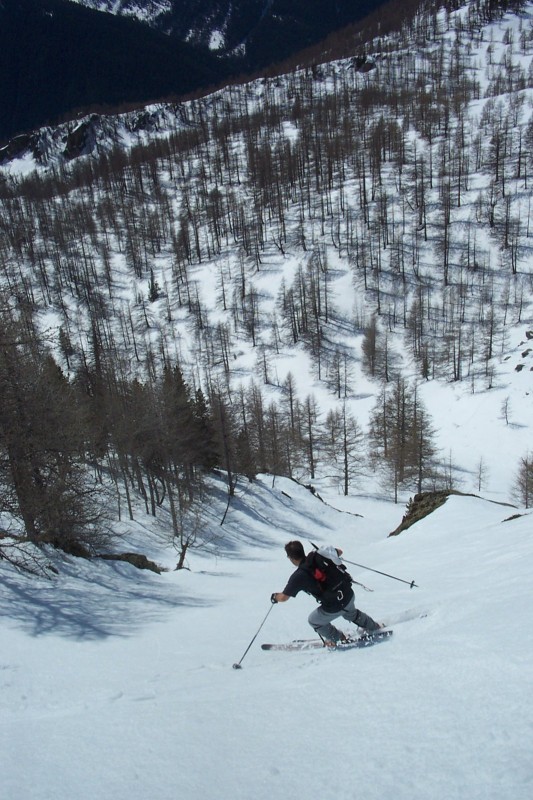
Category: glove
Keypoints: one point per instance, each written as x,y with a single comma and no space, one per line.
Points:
273,598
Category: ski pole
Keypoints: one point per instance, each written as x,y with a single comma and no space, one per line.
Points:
409,583
238,664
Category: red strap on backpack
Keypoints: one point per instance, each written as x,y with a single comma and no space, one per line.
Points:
319,575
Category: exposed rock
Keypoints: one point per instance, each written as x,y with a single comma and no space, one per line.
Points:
362,64
82,140
135,559
420,506
19,146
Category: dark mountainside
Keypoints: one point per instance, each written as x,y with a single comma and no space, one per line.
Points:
272,30
57,57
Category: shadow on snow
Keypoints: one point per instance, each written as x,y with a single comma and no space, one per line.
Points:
89,603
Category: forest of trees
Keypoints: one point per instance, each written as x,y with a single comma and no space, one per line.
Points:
61,439
381,173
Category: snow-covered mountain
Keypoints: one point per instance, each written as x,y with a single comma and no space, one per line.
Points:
396,205
297,245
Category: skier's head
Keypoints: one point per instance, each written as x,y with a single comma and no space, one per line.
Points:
295,551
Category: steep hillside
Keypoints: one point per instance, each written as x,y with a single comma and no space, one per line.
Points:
123,681
283,310
325,276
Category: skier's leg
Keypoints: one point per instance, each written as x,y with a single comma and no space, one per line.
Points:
321,620
359,618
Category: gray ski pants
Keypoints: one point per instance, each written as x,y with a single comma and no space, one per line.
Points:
321,620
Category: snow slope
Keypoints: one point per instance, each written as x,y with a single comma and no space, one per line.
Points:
119,684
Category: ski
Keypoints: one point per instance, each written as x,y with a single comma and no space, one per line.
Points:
366,640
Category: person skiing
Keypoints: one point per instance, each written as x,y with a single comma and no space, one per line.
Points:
335,600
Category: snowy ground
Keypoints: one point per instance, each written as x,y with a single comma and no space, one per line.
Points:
119,684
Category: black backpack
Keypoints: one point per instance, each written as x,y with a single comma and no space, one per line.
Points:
334,583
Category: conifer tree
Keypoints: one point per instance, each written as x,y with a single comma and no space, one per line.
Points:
401,438
42,446
523,487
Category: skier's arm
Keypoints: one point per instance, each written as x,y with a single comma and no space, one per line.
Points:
291,589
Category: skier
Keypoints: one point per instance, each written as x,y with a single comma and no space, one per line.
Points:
335,601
